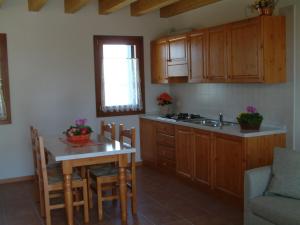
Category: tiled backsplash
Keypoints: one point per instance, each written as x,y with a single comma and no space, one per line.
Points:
274,102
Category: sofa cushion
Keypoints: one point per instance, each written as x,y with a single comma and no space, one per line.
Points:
276,209
285,173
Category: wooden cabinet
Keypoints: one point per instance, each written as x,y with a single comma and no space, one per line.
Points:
178,56
214,160
165,142
245,51
202,157
216,54
228,165
197,46
148,141
159,57
248,51
256,50
184,151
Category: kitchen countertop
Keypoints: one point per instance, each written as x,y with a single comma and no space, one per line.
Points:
230,130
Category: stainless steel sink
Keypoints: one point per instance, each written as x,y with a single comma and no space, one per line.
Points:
210,122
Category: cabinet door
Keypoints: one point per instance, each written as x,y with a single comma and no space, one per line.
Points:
228,165
178,57
202,157
148,141
244,51
197,45
184,151
216,54
159,57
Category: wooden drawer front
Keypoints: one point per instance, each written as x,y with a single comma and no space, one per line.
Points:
165,152
164,139
165,128
164,163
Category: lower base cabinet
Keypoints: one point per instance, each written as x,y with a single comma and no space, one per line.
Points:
228,165
213,160
184,151
202,157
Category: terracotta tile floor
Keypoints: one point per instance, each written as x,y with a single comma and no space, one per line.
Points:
162,200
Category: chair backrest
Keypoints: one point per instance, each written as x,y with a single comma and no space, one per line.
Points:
130,135
108,128
33,134
41,160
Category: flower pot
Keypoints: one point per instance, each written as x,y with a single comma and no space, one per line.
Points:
164,109
249,127
266,11
79,138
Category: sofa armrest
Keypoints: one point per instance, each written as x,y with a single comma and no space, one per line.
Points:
256,182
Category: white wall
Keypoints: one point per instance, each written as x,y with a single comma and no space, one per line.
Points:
51,71
275,102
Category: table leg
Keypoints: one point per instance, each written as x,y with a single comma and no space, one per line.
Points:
68,193
123,188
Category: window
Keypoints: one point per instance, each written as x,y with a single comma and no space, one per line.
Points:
5,116
119,75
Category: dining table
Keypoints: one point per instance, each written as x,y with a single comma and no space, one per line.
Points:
99,150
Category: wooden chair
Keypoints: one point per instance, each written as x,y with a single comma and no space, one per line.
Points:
109,131
109,128
53,183
107,178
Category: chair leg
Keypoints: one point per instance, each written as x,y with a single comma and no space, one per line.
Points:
42,200
85,204
99,199
90,191
47,208
133,198
77,198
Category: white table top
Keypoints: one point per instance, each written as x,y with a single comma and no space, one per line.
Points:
61,150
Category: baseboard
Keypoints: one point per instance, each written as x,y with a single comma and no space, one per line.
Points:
16,179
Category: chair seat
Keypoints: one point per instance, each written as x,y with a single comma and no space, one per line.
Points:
56,176
278,210
105,170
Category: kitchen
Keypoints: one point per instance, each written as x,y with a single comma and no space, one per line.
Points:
31,72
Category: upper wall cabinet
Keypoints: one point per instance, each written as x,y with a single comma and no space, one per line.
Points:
159,58
256,50
197,45
178,56
216,54
248,51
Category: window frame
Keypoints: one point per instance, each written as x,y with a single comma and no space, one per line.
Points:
99,41
5,79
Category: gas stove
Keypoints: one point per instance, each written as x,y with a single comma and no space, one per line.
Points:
182,116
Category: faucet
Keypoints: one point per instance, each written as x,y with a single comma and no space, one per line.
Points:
221,121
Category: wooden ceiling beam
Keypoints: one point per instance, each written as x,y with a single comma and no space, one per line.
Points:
183,6
35,5
72,6
144,6
109,6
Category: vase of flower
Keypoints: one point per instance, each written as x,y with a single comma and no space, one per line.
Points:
250,120
264,7
164,101
80,133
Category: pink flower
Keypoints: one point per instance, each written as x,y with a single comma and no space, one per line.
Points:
80,122
251,109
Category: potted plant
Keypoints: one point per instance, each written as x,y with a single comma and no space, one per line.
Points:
264,7
250,120
80,132
164,100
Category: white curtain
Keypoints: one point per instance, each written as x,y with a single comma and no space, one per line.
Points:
120,85
2,103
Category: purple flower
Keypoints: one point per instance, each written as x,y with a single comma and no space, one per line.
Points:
80,122
251,109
